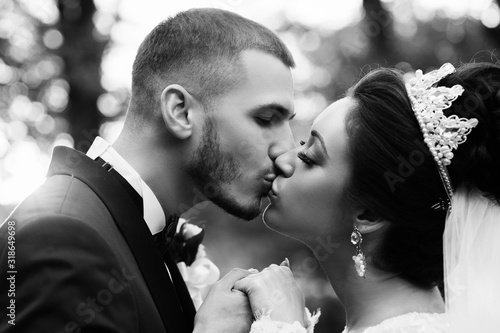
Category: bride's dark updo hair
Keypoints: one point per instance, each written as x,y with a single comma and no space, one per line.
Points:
395,176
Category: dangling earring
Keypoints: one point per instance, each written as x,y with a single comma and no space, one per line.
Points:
359,258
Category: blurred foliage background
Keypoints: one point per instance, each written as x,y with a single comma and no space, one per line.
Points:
65,69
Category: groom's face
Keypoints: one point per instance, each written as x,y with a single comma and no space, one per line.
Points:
247,129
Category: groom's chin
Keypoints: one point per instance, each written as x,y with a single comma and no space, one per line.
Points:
243,212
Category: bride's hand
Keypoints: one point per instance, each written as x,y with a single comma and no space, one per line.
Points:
275,289
224,309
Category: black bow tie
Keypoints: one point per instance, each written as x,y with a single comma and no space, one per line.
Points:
165,237
175,244
165,240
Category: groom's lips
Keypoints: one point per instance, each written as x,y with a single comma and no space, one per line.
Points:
268,181
266,186
273,193
270,177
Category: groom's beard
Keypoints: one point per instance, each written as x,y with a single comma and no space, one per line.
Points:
211,168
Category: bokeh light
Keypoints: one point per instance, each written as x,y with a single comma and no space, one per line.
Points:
491,16
53,39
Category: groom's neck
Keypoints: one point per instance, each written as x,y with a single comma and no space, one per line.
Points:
161,170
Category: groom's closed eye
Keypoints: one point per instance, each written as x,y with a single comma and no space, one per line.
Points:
272,114
268,118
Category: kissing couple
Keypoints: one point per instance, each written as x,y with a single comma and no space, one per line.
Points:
403,177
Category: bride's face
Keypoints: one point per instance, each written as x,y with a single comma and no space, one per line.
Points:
312,203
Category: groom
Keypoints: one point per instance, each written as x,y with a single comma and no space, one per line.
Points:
212,96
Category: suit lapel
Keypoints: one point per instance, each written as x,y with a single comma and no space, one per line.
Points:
182,291
129,219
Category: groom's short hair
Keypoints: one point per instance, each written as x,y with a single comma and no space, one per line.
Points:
198,49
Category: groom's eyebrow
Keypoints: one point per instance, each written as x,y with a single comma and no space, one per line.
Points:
285,112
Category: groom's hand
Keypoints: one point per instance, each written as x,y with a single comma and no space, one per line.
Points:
225,309
275,289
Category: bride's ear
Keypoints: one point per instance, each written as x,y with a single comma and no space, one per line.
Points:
367,222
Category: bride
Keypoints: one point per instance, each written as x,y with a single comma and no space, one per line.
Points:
405,181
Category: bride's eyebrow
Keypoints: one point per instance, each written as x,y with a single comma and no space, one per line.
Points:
320,138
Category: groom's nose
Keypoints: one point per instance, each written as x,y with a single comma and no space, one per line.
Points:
285,163
282,142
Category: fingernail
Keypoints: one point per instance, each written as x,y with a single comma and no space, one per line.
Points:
286,263
253,270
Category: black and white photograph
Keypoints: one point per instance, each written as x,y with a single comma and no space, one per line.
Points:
250,166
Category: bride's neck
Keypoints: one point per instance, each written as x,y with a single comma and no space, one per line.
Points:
369,301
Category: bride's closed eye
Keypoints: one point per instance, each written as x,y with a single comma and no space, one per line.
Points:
305,155
304,158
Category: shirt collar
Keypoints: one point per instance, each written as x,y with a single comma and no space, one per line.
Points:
153,213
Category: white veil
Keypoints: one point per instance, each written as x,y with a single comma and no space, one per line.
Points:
472,263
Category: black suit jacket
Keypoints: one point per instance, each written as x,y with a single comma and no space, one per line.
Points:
85,260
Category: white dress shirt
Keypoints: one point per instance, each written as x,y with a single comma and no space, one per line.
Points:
153,213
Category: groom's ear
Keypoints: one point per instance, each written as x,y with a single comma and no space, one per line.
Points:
177,106
368,221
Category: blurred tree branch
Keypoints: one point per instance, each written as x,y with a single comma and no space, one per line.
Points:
379,24
494,33
82,54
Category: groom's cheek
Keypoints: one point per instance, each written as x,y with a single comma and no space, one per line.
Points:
246,150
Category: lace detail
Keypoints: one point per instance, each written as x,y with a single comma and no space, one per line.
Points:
411,323
264,324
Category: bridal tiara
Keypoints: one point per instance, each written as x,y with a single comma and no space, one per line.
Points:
441,134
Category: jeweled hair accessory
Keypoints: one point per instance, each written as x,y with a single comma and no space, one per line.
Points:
441,134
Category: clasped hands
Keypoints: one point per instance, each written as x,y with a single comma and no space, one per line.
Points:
232,302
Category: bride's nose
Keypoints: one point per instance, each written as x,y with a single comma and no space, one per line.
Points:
285,163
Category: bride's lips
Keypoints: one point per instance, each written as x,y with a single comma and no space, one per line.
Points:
273,192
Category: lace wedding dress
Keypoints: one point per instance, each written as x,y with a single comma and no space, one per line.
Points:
408,323
411,323
264,324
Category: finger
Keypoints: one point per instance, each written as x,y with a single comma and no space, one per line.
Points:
283,267
286,263
227,282
238,292
271,268
243,285
249,283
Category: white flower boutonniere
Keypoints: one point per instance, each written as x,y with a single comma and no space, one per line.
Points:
197,270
